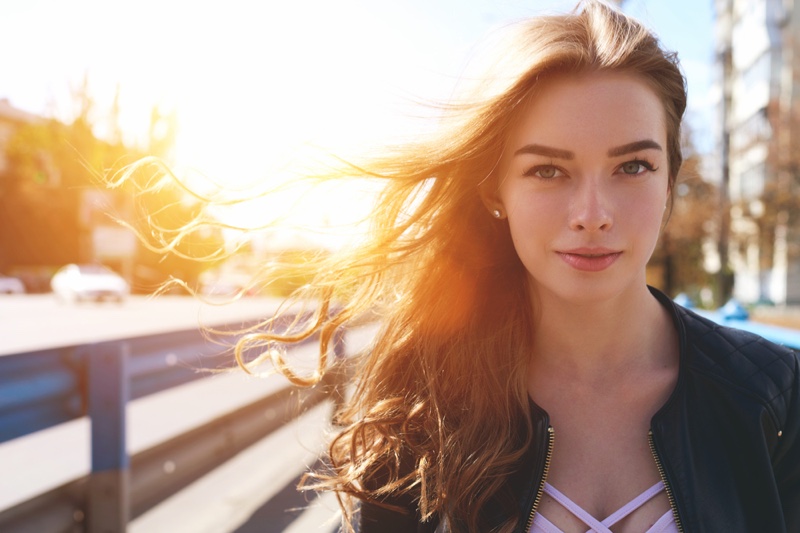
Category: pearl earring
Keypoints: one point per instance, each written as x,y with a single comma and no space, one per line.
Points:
496,213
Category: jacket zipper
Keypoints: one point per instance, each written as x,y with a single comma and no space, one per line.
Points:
550,438
663,474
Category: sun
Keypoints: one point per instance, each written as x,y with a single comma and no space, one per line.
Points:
255,86
254,114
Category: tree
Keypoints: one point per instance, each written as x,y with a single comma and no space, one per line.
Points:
46,221
680,256
50,164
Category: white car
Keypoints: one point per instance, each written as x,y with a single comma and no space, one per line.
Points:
11,285
88,282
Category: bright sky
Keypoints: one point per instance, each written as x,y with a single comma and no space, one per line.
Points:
251,80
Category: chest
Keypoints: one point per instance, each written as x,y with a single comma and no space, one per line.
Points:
601,457
601,471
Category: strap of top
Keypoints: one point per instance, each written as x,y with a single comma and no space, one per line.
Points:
604,525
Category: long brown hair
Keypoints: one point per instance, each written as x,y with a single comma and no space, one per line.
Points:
439,414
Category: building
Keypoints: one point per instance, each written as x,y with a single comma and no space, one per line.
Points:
758,44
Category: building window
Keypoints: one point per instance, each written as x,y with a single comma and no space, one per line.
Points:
751,182
753,130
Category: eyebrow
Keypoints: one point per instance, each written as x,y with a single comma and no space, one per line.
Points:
647,144
547,151
558,153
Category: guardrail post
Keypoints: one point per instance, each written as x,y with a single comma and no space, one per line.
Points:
108,391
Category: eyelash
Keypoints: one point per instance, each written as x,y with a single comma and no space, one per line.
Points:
646,164
532,172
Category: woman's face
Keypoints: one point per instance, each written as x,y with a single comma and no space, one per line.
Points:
584,184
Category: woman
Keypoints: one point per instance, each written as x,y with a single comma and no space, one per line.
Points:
526,378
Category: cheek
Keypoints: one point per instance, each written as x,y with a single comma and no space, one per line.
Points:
647,216
524,210
532,221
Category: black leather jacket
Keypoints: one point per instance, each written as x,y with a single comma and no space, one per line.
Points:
727,441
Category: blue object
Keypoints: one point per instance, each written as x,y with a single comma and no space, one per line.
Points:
684,300
786,336
733,310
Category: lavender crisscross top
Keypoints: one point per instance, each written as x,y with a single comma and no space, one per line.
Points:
665,524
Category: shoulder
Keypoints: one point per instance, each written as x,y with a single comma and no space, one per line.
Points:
739,359
736,361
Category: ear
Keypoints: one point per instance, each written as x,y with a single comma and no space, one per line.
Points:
490,197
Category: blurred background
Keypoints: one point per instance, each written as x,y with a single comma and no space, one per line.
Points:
231,98
235,97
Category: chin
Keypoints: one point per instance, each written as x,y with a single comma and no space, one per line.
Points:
586,290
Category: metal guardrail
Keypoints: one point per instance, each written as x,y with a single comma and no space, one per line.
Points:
41,389
45,388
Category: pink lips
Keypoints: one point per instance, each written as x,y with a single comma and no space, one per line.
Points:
589,259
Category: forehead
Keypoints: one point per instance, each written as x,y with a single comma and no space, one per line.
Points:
591,109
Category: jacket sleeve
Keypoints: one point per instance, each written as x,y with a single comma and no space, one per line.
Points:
397,513
787,459
374,518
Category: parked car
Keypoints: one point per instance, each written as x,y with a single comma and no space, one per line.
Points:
88,282
11,285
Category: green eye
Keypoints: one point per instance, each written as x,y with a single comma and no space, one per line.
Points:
637,166
547,172
632,167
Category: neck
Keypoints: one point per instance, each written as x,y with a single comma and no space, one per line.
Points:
596,339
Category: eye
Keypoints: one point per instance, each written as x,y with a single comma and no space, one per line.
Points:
637,166
545,172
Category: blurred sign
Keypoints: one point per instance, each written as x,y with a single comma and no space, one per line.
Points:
113,242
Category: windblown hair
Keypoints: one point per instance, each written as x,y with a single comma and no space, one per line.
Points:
440,411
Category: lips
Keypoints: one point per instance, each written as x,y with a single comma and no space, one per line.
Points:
589,259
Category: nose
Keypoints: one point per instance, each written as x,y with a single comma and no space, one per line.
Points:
590,209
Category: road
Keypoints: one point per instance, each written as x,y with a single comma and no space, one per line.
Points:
38,321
